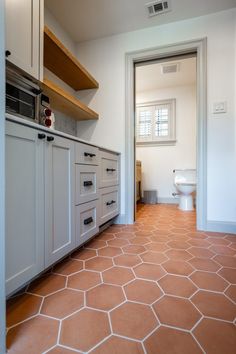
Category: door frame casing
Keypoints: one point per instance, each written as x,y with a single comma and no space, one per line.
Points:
200,47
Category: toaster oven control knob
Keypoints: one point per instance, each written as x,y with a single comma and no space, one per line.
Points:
8,53
41,136
50,138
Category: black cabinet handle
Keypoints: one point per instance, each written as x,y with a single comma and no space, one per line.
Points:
41,136
89,154
88,220
8,53
111,202
50,138
110,169
88,183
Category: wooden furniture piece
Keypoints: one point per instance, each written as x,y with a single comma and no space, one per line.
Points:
138,180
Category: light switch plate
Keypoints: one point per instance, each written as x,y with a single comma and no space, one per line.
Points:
219,107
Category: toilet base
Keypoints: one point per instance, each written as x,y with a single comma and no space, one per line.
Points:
186,202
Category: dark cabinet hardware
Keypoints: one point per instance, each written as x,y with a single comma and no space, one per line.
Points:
50,138
110,169
41,136
88,183
88,220
8,53
89,154
111,202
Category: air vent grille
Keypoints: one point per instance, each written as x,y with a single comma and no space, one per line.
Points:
158,7
170,68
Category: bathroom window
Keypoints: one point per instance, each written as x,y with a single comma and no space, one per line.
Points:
155,123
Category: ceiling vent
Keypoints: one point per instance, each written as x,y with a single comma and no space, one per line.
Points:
158,7
170,68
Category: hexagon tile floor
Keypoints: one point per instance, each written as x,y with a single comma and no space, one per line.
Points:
156,287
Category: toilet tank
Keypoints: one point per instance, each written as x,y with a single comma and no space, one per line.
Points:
185,176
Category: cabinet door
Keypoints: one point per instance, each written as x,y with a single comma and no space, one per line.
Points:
59,198
24,205
23,32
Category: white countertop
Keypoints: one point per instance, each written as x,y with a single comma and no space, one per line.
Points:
28,123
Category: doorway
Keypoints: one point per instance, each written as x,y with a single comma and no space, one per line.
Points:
132,59
165,131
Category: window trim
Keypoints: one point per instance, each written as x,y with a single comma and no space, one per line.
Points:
165,140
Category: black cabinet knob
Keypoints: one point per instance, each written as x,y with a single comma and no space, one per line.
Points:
88,220
88,183
8,53
110,169
50,138
110,203
89,154
41,136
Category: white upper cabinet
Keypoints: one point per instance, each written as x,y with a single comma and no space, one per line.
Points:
24,35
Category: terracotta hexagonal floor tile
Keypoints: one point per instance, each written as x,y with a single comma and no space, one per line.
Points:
149,271
143,291
201,252
161,239
128,320
98,263
117,276
214,305
218,241
157,247
63,303
176,312
106,236
209,281
181,245
169,341
84,280
229,274
21,307
109,251
104,297
178,255
231,292
143,232
224,250
61,350
233,245
84,254
226,261
125,235
127,260
118,345
153,257
178,267
139,241
96,244
134,249
33,336
177,285
204,264
199,243
68,266
216,337
85,329
118,243
47,284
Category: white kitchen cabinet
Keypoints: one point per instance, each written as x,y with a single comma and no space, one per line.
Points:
24,205
24,35
59,198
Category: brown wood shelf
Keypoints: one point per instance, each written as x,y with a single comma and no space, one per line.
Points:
59,60
62,101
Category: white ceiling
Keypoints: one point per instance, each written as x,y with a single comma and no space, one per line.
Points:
91,19
149,77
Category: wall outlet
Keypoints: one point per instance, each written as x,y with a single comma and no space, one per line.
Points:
219,107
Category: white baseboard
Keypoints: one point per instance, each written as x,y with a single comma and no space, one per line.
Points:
120,219
221,226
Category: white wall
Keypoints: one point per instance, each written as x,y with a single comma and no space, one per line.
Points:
158,162
106,59
2,179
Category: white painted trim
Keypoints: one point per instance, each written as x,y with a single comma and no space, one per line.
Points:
2,181
120,219
167,200
221,226
199,46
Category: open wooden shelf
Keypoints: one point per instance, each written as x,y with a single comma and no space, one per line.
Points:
62,101
63,64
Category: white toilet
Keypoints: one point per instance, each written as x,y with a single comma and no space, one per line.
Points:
185,182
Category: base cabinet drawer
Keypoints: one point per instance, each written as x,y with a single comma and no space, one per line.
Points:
109,203
86,183
109,169
87,221
86,154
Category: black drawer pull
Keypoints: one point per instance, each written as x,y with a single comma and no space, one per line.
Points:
7,53
88,220
110,169
41,136
50,138
111,202
89,154
88,183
